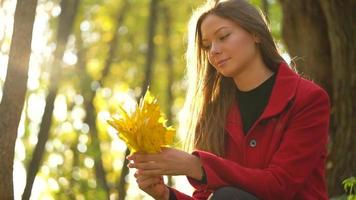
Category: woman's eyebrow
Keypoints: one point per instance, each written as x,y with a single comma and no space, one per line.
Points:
216,31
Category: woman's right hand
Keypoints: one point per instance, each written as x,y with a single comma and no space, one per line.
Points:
152,185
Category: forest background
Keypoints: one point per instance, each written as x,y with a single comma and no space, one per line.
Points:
66,65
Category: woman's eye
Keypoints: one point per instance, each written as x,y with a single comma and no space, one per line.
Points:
225,36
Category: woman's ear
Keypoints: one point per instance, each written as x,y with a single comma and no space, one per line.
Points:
256,38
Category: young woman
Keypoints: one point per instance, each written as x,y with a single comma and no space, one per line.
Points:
259,130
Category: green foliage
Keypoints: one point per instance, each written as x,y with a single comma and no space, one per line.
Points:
350,187
342,197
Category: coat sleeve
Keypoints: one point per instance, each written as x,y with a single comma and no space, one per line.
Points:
197,195
301,151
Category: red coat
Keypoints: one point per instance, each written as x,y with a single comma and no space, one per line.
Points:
283,155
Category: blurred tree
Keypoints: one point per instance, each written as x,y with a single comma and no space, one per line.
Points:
167,20
90,119
90,93
14,91
65,23
169,64
323,33
150,55
265,8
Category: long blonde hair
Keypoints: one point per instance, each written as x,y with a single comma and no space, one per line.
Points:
209,94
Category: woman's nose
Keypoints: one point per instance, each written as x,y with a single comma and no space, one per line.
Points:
215,49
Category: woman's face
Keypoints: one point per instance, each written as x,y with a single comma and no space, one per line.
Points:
230,48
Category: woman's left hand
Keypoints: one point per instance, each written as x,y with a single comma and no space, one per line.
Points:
169,161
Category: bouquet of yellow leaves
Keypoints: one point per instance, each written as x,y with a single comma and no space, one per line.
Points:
144,130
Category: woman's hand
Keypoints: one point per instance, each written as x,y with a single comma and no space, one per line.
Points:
152,185
169,161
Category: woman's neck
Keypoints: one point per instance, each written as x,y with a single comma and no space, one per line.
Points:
253,75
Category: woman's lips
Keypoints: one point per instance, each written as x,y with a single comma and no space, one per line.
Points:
222,62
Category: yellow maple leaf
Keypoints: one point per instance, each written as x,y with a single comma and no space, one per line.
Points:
145,129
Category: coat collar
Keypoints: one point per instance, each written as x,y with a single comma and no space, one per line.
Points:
283,91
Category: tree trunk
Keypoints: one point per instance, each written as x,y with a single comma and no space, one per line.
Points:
90,119
323,34
151,47
122,180
265,8
113,44
90,94
170,68
66,19
341,18
75,164
14,91
148,77
305,34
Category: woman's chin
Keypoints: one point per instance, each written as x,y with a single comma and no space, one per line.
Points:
227,73
230,72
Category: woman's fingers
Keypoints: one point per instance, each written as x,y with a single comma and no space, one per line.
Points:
139,157
169,161
144,165
154,172
151,172
147,181
152,185
142,177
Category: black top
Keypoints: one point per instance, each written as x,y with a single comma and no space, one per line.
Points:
253,102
